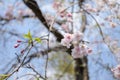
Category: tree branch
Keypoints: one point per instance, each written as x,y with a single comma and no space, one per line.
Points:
32,4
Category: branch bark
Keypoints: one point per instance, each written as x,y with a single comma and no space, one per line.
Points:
32,4
81,67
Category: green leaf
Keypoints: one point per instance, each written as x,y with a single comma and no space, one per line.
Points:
28,35
37,40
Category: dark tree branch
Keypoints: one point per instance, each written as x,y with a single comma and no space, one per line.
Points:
32,4
44,52
81,68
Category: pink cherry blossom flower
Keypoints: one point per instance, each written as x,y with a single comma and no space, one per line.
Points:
19,41
69,14
77,36
68,37
9,12
56,5
80,50
69,20
66,41
62,13
116,72
76,52
65,27
89,50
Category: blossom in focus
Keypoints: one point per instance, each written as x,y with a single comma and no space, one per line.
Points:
66,41
79,49
68,37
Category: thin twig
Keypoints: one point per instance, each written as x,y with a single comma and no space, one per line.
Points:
36,72
21,62
72,11
101,32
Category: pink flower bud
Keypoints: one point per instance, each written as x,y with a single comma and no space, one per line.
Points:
19,41
16,45
22,51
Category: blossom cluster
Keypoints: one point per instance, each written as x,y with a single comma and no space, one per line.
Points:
116,71
64,15
79,49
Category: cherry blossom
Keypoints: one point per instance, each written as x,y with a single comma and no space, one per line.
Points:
76,52
80,51
68,37
65,27
77,36
66,41
56,5
116,72
69,14
9,12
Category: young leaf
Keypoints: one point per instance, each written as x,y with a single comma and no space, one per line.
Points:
28,35
37,40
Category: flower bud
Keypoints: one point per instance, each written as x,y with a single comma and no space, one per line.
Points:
16,45
19,41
